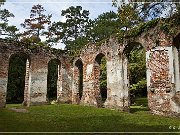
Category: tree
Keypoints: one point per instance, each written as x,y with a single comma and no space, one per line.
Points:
98,29
103,79
52,78
16,78
2,2
73,28
6,30
76,20
36,25
104,26
149,10
137,70
128,17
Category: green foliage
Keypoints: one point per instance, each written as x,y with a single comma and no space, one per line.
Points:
142,27
76,19
103,78
133,15
104,26
164,24
9,32
78,30
137,72
31,40
73,29
139,89
16,79
5,14
145,26
75,46
35,26
128,16
168,25
137,30
52,79
148,10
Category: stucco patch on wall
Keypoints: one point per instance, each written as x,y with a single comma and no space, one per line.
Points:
89,70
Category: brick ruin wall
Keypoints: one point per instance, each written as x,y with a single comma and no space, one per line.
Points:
36,74
163,78
163,82
162,62
117,83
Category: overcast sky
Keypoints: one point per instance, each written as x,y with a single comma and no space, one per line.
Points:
21,8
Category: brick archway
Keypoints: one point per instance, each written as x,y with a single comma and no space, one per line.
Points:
23,81
53,84
77,90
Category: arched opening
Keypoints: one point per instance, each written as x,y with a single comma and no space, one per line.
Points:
78,76
176,52
101,75
176,43
136,56
18,79
52,79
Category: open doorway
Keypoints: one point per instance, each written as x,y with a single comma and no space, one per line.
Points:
18,78
52,79
136,55
78,77
101,75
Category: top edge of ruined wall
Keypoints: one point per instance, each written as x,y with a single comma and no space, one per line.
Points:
11,45
91,47
155,36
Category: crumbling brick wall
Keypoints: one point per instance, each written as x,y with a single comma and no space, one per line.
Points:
64,94
36,73
162,73
77,67
117,84
162,61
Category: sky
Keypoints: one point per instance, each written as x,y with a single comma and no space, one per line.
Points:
21,9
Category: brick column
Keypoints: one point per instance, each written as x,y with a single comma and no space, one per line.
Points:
161,80
89,81
117,84
27,85
64,92
39,71
75,87
4,63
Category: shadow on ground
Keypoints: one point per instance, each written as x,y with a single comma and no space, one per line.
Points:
134,109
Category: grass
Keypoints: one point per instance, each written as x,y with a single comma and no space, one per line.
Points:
77,118
141,101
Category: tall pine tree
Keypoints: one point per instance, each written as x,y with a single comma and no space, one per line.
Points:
37,23
73,29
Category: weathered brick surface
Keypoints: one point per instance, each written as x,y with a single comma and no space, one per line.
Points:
36,73
26,101
161,82
64,92
117,83
77,66
163,67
